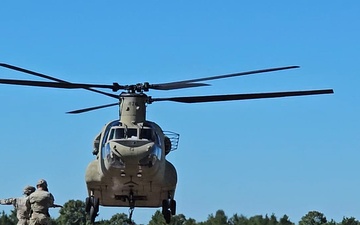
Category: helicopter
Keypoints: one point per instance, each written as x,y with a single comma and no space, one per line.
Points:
130,168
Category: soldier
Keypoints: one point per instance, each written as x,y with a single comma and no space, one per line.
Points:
22,212
39,202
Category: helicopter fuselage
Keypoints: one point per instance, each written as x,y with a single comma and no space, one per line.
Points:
130,158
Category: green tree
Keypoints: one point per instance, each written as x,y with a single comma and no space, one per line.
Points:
349,221
285,221
178,220
190,221
257,220
12,217
73,213
119,218
238,220
272,220
219,219
53,221
332,222
5,220
313,218
157,219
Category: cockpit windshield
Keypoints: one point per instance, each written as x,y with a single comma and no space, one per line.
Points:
146,133
117,133
130,133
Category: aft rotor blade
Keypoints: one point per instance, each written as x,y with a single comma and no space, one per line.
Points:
218,98
179,84
56,84
51,78
91,108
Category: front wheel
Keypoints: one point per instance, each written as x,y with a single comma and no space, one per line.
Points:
92,215
87,205
167,216
96,203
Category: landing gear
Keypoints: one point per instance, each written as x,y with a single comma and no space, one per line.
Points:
92,207
131,200
173,207
168,208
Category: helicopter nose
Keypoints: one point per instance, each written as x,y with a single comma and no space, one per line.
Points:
152,157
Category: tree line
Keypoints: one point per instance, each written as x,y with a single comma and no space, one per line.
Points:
73,213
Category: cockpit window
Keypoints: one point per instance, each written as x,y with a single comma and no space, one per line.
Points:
146,133
131,133
117,133
121,133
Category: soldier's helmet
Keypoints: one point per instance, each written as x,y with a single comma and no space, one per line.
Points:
28,190
42,183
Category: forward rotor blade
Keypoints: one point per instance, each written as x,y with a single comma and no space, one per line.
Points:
52,78
180,84
91,108
217,98
177,86
54,84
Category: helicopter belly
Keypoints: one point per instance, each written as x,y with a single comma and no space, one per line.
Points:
149,190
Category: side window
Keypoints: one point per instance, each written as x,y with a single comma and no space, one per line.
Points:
111,135
116,133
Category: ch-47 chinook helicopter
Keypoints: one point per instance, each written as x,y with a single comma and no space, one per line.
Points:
130,168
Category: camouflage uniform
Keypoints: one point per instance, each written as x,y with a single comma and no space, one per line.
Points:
40,201
22,212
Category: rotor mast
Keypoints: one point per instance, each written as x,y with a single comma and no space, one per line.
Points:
132,108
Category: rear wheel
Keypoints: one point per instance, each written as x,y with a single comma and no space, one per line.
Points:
173,207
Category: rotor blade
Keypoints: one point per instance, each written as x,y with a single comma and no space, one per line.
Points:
115,86
217,98
91,108
51,78
179,84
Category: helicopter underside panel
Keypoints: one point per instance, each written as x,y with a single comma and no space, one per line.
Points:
146,191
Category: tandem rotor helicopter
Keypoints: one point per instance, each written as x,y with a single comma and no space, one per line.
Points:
130,168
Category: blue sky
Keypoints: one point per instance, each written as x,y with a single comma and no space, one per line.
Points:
281,156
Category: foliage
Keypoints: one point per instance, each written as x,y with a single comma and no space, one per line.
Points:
118,218
73,213
238,220
313,218
157,219
5,220
12,217
349,221
219,219
285,221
